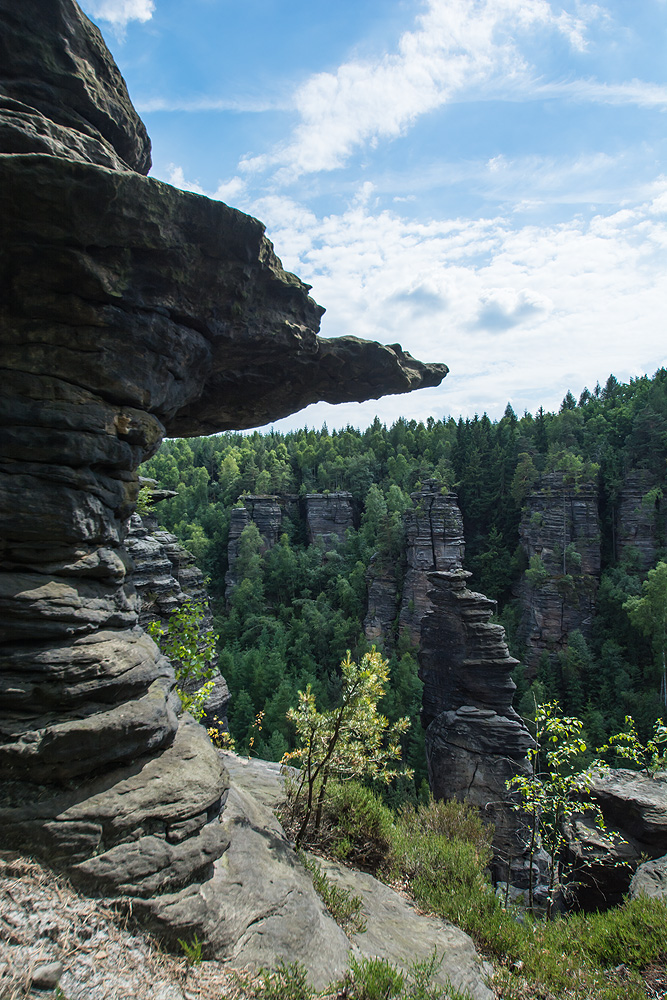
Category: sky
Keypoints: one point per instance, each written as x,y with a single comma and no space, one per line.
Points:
481,181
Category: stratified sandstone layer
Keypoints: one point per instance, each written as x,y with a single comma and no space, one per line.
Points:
328,517
640,519
475,741
128,309
433,541
560,526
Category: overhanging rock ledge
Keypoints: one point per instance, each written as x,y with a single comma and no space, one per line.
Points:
128,309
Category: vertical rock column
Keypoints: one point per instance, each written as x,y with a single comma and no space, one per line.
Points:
328,516
475,741
434,541
560,527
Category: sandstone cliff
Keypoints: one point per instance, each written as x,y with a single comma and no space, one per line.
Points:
560,533
475,741
128,310
640,519
433,541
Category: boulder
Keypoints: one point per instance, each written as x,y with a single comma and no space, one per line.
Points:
634,807
395,930
650,879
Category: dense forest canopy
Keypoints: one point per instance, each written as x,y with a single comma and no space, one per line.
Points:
297,608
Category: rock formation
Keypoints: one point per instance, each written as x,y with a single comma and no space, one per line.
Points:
640,522
129,309
382,609
634,807
560,528
475,741
433,541
328,516
650,880
166,576
264,511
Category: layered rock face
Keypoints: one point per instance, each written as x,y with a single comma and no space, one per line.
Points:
127,309
475,741
560,527
433,541
640,520
166,576
328,516
382,603
264,511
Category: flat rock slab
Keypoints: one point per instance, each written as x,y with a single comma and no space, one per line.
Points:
397,932
263,899
259,866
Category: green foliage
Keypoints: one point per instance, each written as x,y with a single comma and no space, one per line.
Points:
366,979
343,905
145,503
297,609
350,741
285,982
556,787
537,573
191,651
626,745
192,950
649,614
355,826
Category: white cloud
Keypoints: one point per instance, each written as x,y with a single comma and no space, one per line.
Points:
121,12
517,313
456,45
632,92
230,190
176,177
203,103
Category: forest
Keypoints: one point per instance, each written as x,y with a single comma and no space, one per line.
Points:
297,607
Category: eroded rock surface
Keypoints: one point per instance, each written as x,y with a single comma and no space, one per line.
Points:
475,741
433,541
328,516
395,931
560,527
634,807
641,519
127,309
650,879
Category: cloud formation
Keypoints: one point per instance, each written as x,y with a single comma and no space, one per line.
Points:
519,313
457,45
120,12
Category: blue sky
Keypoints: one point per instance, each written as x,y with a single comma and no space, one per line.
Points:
482,181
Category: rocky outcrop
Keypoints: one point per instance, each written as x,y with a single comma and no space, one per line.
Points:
328,516
634,807
166,576
264,511
475,741
127,309
640,523
382,609
650,880
560,533
434,541
295,928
